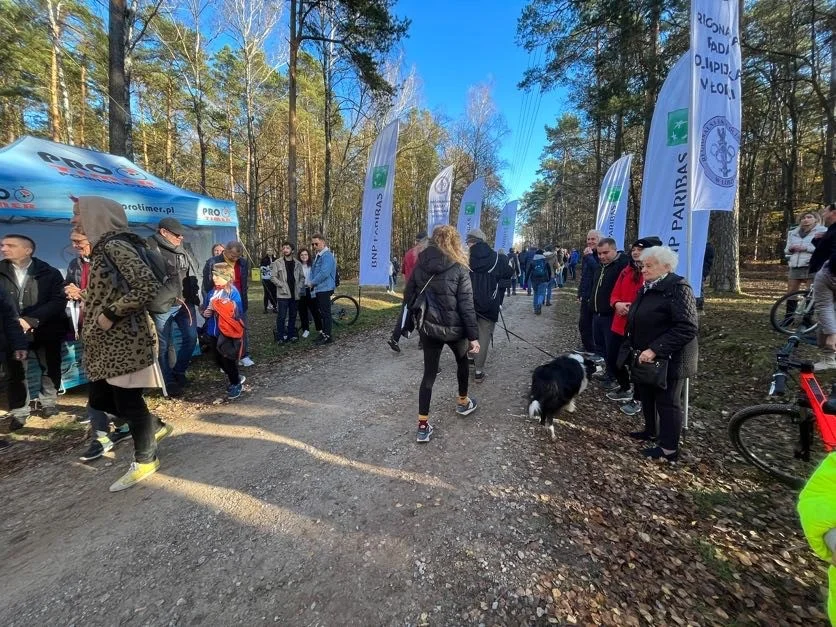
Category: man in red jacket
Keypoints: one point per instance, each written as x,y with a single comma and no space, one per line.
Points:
409,261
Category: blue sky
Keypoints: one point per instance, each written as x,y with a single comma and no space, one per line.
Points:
458,43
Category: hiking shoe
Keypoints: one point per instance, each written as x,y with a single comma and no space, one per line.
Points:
97,448
479,377
622,396
632,408
163,431
5,445
393,345
305,333
610,385
136,473
657,453
467,408
118,436
538,310
425,431
246,362
601,375
49,412
233,391
642,435
548,304
16,424
173,390
83,419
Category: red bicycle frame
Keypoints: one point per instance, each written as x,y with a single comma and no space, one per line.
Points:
817,398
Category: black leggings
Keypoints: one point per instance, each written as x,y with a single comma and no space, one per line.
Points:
229,366
432,355
129,405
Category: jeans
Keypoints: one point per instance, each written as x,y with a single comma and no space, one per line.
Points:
549,290
539,294
571,270
184,317
601,325
393,281
128,404
667,406
486,328
308,305
585,327
286,320
323,299
432,354
48,357
513,288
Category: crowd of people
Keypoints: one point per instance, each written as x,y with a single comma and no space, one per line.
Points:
122,297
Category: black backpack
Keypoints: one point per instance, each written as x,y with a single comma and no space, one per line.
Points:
165,273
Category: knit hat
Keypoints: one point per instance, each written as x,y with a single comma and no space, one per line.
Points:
476,235
224,271
647,242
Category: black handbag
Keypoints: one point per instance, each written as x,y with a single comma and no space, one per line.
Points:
654,373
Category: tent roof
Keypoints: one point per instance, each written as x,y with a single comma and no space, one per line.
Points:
38,177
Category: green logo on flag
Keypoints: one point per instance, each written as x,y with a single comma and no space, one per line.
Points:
613,194
470,208
379,175
677,127
506,221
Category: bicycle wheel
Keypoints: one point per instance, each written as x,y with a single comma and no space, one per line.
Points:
768,437
793,314
344,309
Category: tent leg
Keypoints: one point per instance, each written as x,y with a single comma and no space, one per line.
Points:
360,295
686,403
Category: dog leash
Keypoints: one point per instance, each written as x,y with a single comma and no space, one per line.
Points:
519,337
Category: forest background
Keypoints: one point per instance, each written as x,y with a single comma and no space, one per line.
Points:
276,103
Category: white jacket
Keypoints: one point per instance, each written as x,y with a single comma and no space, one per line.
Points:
801,259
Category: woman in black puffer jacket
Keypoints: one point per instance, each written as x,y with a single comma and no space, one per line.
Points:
662,324
441,278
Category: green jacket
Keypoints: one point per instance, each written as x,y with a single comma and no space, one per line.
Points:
817,509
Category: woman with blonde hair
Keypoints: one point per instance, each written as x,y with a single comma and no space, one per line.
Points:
440,287
800,248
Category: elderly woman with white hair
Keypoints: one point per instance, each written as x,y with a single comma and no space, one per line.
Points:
662,328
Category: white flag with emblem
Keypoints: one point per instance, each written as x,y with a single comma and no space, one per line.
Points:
376,229
665,210
470,209
612,201
716,84
439,199
505,227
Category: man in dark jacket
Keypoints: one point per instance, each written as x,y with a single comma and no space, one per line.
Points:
13,345
36,290
168,241
233,254
589,264
612,262
487,269
826,242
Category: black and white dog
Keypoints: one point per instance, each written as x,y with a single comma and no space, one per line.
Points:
555,385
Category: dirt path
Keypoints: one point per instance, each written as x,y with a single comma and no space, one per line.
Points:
306,502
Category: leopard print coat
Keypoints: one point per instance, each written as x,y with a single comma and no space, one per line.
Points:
131,343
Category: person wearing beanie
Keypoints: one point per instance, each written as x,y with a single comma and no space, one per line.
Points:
624,292
222,309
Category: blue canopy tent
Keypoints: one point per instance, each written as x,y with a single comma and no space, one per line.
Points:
39,177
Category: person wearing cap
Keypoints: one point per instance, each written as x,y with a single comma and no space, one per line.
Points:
184,296
36,290
487,269
625,291
409,261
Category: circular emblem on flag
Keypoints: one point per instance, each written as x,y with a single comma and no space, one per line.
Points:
719,145
24,195
442,185
131,173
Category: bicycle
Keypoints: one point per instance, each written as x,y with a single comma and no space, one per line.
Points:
344,309
793,313
779,438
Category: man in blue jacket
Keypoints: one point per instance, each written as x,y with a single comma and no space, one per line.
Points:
322,282
589,264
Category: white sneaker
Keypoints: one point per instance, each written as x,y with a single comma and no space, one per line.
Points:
306,333
828,363
246,362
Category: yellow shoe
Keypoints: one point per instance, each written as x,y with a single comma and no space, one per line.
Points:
135,474
164,431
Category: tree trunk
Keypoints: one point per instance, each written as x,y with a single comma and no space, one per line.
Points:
117,82
292,227
725,274
82,109
168,166
230,163
327,60
830,142
55,130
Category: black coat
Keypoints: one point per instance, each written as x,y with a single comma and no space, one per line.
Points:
488,271
12,337
448,286
665,320
604,281
42,303
825,246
